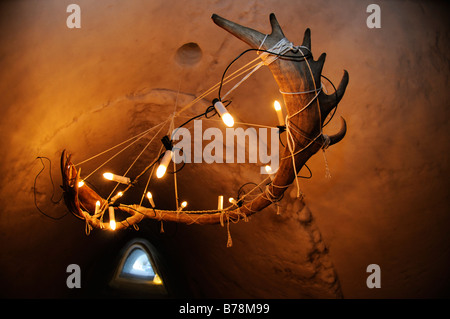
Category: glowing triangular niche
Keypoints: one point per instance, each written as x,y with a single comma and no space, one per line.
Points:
138,265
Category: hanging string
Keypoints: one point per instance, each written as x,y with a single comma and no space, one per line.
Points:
256,68
132,164
140,136
268,57
324,147
126,141
290,139
244,69
174,164
229,78
327,169
150,176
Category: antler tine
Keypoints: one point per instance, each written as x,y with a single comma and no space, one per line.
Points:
339,135
248,35
307,39
276,29
330,101
319,64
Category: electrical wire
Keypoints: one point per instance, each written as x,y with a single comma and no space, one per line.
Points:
279,55
53,189
336,97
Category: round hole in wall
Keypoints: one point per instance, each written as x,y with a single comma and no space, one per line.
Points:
189,54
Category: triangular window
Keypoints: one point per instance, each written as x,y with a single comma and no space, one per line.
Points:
137,265
137,270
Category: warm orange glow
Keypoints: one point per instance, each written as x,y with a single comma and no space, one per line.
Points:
112,218
277,107
220,203
150,199
164,163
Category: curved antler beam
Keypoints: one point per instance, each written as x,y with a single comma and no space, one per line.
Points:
301,74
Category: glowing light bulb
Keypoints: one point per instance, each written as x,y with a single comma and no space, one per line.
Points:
118,195
226,117
269,171
97,207
80,184
112,218
150,199
232,201
183,205
117,178
164,163
220,203
277,107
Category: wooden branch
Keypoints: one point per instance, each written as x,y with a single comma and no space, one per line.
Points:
297,75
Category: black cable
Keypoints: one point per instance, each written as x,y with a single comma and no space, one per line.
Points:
240,189
53,189
282,56
209,109
310,173
335,94
191,119
279,137
177,170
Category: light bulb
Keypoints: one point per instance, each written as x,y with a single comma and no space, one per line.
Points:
232,201
114,198
226,117
117,178
183,205
112,219
150,199
164,163
220,203
80,184
97,207
161,171
277,107
269,171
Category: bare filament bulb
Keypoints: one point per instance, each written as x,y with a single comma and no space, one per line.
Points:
164,163
224,114
117,178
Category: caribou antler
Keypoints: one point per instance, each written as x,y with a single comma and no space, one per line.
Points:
298,77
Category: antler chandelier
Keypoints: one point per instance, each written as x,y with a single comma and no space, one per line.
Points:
298,77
